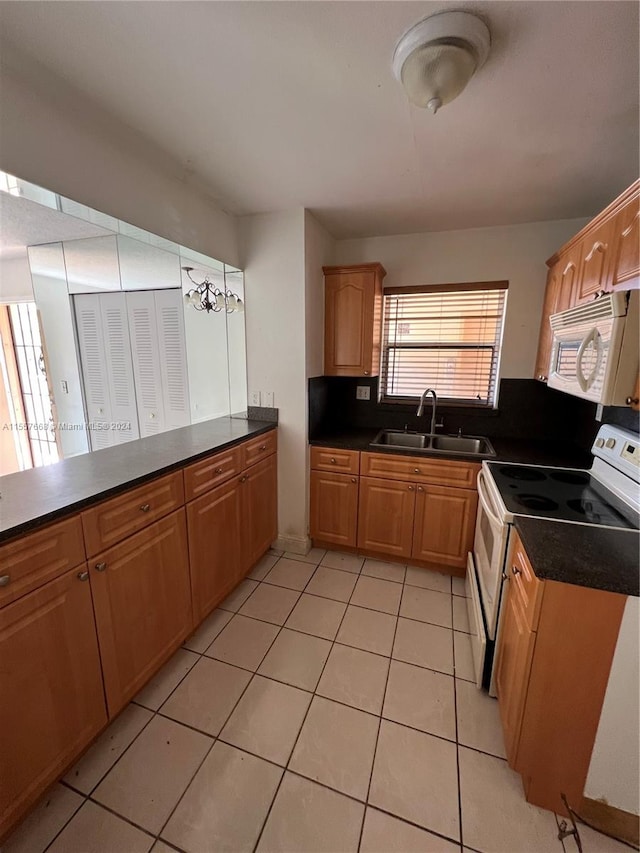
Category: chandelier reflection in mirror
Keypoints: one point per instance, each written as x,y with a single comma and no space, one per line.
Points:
206,296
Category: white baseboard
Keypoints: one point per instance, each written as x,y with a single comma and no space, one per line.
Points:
293,544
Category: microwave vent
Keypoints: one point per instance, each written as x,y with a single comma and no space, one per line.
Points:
605,308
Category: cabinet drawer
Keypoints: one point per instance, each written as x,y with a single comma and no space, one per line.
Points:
115,519
259,448
420,469
35,558
204,475
526,586
330,459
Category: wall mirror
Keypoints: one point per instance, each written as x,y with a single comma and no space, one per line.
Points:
105,336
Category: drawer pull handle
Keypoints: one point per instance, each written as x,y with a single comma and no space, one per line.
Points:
262,447
218,471
145,507
83,576
516,570
410,488
4,580
333,460
100,567
416,470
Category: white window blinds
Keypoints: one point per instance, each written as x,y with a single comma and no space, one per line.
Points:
444,337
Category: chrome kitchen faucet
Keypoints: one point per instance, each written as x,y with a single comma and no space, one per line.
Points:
425,394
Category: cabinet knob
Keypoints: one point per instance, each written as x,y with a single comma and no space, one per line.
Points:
83,576
354,480
100,567
4,580
420,489
411,488
516,570
416,470
366,373
632,401
262,447
217,471
505,576
333,460
145,507
244,479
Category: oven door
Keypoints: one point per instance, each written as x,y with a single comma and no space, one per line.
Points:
478,635
489,552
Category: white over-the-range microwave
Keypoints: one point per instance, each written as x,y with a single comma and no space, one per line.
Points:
596,349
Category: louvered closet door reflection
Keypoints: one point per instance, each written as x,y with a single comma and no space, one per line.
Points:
117,348
173,360
94,368
146,361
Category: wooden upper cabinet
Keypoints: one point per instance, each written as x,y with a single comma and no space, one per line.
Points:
625,264
142,602
385,519
52,701
334,508
561,283
593,278
353,317
444,525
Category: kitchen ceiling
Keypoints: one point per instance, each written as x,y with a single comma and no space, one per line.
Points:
272,105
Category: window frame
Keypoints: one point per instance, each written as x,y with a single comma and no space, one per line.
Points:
496,347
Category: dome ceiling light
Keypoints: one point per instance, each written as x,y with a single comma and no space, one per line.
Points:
436,58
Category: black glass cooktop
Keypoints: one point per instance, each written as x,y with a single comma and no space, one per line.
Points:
557,493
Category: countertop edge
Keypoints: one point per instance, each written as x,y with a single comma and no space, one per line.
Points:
257,428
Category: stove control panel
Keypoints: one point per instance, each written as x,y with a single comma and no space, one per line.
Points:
619,448
631,452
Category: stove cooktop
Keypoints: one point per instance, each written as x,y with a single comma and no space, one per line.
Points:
564,494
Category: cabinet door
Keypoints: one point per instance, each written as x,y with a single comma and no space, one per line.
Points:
51,687
259,510
513,667
549,307
594,269
444,525
385,522
626,254
334,508
352,307
142,601
215,527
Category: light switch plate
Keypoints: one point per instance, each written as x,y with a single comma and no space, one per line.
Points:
363,392
254,398
267,399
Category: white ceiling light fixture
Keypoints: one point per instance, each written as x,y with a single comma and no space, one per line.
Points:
437,57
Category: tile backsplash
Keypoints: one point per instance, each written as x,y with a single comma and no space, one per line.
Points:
526,409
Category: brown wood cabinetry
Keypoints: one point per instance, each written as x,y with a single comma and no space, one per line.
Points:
353,316
385,516
444,524
142,604
205,475
604,256
339,461
259,510
334,508
554,653
52,701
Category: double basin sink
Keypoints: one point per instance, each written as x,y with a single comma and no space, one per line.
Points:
424,443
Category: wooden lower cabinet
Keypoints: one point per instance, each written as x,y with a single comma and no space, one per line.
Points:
214,523
444,525
334,508
51,696
142,602
385,516
259,510
554,654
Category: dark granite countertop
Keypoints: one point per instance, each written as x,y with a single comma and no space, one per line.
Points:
40,495
584,555
523,451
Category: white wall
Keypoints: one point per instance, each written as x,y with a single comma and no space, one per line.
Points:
516,253
54,136
272,255
615,767
15,280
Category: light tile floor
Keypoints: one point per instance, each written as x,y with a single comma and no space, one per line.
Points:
328,705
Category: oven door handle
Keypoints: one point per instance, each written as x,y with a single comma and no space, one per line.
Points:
482,495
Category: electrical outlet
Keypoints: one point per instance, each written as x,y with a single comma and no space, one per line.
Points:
254,398
363,392
267,399
65,386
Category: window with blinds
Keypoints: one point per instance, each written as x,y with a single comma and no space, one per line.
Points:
443,337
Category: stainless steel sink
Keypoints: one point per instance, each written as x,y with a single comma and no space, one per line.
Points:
467,445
